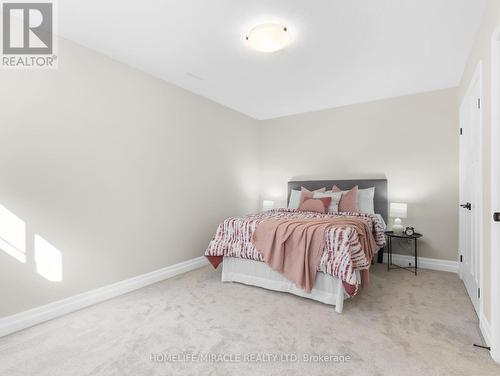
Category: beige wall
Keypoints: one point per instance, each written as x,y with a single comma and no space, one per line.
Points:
411,140
126,174
123,173
481,51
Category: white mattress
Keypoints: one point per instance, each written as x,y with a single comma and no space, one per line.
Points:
327,289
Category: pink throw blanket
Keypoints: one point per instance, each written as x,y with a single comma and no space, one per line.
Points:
294,247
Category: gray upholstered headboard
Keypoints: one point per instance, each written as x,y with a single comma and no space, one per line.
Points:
381,201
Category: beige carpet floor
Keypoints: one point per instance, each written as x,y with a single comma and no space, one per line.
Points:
400,325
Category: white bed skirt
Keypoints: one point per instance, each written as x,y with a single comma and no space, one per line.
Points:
327,289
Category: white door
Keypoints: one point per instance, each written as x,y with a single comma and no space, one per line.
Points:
495,200
470,189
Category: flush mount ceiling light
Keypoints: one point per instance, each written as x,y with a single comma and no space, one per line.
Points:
268,37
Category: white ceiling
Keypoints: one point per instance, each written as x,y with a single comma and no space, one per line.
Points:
343,52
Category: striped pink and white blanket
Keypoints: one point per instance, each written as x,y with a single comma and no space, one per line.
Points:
342,257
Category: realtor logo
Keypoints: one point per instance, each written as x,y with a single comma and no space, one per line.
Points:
28,35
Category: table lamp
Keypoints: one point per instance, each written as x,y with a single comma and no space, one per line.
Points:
267,205
398,211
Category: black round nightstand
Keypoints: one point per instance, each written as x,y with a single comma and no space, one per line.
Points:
390,235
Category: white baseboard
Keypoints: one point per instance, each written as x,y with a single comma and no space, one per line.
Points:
424,263
23,320
484,326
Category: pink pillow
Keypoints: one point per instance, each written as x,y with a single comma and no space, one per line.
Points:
305,194
349,200
318,205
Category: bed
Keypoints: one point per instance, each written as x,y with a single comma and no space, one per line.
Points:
339,273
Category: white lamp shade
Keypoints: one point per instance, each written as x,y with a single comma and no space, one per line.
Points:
267,205
398,210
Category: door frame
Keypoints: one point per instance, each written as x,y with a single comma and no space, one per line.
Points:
477,77
495,201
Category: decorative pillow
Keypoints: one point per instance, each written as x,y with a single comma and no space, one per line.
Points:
336,196
318,205
294,199
349,200
305,194
366,200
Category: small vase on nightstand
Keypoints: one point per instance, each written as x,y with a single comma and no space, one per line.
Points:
397,227
398,211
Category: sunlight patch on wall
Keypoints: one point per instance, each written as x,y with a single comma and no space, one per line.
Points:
48,260
12,235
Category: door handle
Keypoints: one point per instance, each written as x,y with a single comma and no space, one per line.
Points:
468,206
496,217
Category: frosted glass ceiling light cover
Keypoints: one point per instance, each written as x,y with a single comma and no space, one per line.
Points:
268,37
